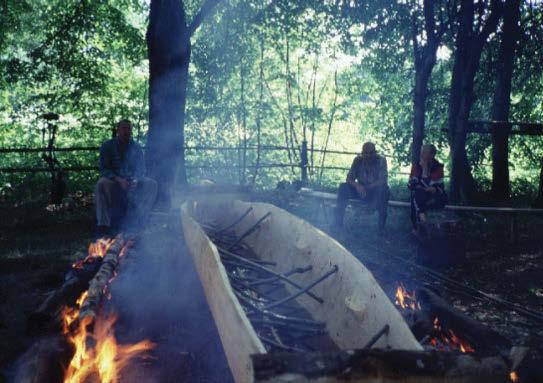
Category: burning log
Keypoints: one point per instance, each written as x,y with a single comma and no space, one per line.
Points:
47,317
483,339
98,285
438,325
379,365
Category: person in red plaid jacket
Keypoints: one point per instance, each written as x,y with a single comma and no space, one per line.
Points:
426,185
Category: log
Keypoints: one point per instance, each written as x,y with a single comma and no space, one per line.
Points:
98,284
379,365
483,339
46,317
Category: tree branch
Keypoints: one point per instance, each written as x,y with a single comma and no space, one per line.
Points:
496,11
206,8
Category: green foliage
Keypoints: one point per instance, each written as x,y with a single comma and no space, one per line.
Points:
349,68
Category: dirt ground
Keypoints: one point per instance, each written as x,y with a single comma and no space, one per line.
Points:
37,248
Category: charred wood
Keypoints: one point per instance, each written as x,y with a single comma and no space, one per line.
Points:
98,284
484,340
379,365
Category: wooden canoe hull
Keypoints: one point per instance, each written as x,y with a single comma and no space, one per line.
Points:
355,307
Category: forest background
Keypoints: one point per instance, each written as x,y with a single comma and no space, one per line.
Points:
267,76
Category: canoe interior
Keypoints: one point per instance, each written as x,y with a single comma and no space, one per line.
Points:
355,307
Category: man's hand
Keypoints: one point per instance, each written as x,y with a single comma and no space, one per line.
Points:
123,182
361,190
430,189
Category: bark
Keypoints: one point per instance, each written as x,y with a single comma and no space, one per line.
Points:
169,49
502,99
98,284
469,44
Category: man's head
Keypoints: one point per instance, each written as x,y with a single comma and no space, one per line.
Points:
427,152
369,151
124,131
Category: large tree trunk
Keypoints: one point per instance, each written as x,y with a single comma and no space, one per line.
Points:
168,43
425,60
422,77
502,99
469,46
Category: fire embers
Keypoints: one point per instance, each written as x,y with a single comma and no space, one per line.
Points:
447,340
97,355
439,336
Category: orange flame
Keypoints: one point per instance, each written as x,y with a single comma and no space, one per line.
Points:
449,340
70,314
97,249
405,299
97,353
107,358
514,376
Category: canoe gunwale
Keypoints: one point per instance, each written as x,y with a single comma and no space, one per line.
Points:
221,298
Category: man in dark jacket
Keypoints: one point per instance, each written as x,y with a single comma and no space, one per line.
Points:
122,178
426,185
367,180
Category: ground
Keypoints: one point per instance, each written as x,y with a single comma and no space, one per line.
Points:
38,246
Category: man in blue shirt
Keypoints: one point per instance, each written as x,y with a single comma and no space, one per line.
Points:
122,177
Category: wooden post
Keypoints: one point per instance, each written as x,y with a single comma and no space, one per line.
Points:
304,161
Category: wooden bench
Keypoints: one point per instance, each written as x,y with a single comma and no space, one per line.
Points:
511,213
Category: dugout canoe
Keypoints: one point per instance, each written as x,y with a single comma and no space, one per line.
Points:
355,307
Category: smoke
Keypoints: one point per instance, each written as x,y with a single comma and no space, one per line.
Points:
158,296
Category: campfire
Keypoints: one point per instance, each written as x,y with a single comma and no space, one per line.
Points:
405,299
97,356
98,353
97,250
448,340
439,337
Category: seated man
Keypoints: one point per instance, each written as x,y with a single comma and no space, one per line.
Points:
367,181
122,175
426,185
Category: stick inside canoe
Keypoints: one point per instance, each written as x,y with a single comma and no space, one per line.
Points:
304,290
236,221
297,270
377,336
258,310
250,230
263,268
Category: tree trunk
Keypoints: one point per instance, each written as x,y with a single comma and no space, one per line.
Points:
469,46
168,43
502,99
425,60
422,77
